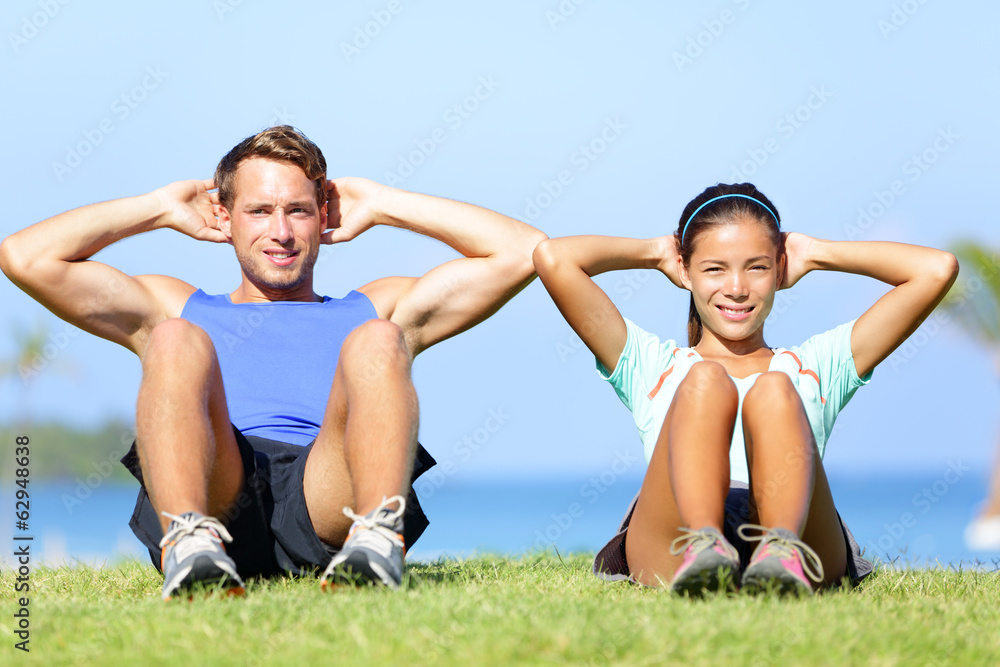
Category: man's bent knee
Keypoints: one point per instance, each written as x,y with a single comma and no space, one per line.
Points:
375,333
374,348
177,338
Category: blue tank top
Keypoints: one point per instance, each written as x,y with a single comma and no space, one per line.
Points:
278,358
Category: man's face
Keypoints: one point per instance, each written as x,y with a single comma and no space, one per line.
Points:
275,226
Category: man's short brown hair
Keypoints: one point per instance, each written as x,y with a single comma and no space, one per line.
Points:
282,143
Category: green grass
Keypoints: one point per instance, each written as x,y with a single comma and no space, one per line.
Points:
535,609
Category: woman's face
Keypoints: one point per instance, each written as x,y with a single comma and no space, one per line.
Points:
733,274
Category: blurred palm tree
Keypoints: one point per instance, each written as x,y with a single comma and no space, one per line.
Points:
36,351
974,302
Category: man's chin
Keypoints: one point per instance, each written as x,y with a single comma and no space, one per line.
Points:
288,285
269,278
272,281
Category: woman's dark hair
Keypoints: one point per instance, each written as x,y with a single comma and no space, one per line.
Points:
751,203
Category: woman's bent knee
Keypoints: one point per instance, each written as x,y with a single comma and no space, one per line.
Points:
709,378
770,390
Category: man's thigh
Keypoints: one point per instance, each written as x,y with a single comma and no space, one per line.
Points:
326,482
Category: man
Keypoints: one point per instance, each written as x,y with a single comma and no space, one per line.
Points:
271,407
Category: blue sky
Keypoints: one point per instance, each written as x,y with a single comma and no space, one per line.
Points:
860,120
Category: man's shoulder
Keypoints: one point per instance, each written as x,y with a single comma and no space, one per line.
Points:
384,293
172,293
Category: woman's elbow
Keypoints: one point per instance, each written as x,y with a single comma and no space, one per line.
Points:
544,256
946,269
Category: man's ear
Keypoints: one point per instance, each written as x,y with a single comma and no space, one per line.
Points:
323,217
682,273
226,223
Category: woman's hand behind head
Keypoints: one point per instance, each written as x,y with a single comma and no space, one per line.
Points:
798,261
670,259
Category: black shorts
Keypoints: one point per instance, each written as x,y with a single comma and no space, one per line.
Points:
269,522
611,564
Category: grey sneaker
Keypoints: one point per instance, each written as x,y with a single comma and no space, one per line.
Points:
373,552
193,555
781,561
710,563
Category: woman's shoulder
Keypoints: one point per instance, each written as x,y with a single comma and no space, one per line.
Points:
829,340
825,354
643,340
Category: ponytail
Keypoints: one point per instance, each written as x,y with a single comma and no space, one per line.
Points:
694,325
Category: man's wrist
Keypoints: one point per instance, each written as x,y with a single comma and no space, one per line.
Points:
385,206
155,208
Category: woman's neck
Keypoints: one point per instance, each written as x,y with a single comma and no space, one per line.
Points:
715,347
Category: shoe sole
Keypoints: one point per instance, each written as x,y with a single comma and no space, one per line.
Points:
765,578
712,578
705,582
206,578
235,592
358,572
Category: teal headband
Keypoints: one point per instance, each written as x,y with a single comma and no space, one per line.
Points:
714,199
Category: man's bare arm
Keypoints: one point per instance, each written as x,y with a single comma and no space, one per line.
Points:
458,294
50,261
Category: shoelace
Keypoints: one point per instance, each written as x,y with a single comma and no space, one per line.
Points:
185,526
701,540
378,520
785,548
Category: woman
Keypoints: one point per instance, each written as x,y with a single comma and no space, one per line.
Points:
730,412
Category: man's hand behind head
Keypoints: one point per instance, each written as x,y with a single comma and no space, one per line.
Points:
189,208
352,208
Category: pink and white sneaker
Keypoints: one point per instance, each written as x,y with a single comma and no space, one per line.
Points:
781,562
710,563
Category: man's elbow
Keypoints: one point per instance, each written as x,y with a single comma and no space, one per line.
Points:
537,236
521,262
12,260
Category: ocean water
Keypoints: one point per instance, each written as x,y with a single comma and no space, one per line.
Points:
912,520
